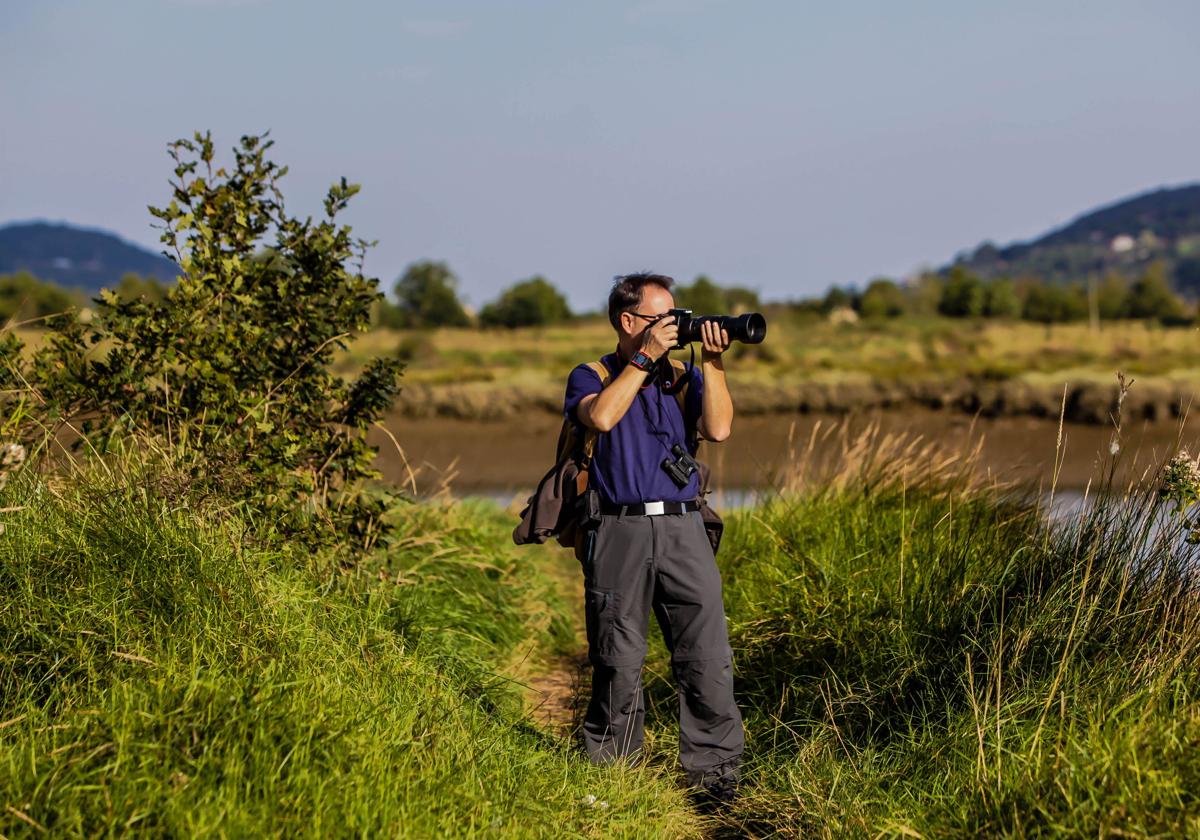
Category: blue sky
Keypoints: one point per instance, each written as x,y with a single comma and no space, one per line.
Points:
785,146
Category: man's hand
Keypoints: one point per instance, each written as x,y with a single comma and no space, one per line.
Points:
660,337
716,340
716,417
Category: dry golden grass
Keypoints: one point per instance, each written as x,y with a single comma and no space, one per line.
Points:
809,364
810,349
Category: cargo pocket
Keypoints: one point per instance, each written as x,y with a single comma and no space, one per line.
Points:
600,613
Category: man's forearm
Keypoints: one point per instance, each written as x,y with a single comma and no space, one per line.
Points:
606,409
716,417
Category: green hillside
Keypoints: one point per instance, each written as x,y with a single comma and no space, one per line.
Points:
75,256
1126,236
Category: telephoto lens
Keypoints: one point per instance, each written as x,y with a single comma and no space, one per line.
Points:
750,328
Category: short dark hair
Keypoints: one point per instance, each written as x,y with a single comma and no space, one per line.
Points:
626,292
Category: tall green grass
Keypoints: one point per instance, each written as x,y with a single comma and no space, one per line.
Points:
920,656
159,674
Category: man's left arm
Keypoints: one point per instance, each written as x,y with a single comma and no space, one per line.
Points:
716,415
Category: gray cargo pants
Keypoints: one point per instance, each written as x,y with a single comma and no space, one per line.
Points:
632,564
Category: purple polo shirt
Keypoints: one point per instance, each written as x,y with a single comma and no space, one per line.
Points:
627,462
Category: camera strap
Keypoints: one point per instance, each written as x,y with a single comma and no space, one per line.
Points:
680,375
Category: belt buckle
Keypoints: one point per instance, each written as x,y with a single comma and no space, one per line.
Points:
654,508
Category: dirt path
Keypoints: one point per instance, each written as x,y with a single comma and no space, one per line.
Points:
556,695
557,686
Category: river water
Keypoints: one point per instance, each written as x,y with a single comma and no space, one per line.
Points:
504,460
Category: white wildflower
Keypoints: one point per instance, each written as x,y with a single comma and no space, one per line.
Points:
11,455
1183,470
1181,481
588,800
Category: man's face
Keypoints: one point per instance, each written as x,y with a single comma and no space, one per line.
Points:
656,301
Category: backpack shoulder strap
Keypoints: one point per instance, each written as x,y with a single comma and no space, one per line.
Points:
681,396
589,434
600,370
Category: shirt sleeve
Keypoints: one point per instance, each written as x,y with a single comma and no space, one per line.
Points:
582,381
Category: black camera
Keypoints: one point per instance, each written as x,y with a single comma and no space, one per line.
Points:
750,328
681,468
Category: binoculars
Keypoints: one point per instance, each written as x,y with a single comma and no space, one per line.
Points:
750,328
681,468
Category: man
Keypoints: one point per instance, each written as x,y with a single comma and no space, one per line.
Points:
650,550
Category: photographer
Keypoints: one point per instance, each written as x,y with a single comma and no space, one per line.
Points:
650,550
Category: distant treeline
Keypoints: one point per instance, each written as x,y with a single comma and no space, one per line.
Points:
24,297
959,293
426,296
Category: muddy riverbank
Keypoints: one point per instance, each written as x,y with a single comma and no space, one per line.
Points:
1082,401
507,457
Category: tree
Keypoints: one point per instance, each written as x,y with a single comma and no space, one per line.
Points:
24,297
1054,304
232,368
963,294
426,296
740,300
530,303
1000,299
134,286
882,299
703,297
1150,296
1187,276
1111,294
837,298
923,294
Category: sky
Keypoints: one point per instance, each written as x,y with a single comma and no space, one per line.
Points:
783,146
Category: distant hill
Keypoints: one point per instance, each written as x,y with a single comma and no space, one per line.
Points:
72,256
1125,236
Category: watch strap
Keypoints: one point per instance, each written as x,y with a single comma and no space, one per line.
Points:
641,361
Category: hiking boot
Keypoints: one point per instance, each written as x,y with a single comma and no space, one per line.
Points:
715,794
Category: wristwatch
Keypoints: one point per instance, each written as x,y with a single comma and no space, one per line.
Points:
642,362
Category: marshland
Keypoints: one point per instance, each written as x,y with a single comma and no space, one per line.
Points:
261,460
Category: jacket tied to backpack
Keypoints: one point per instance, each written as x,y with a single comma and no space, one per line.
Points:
555,508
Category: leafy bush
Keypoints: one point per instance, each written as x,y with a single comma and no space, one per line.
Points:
232,365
